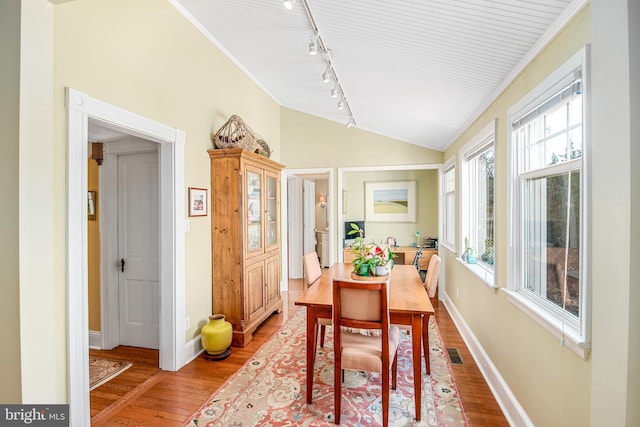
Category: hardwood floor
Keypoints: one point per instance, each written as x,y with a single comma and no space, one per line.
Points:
146,396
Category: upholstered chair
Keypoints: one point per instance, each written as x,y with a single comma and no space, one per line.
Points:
360,305
312,272
433,272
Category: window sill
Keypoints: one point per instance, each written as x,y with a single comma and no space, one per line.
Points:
567,335
483,274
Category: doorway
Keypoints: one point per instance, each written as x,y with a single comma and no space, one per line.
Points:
293,216
129,286
80,108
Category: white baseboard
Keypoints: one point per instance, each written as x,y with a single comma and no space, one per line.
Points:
95,340
513,411
192,350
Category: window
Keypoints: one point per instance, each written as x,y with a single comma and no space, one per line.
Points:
449,180
478,201
547,195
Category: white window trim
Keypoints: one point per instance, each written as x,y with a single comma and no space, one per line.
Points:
578,338
489,131
451,163
484,274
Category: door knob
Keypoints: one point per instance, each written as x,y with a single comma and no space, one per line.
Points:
122,263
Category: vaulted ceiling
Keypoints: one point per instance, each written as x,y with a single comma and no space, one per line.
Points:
415,70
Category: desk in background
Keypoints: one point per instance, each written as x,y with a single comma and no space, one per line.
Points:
405,255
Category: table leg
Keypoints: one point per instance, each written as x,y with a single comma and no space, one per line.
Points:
416,338
425,341
311,342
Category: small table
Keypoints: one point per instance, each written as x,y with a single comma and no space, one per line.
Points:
409,304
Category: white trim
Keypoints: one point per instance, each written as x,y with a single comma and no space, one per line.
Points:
550,320
448,165
95,340
81,107
513,411
567,336
484,274
563,20
193,349
485,137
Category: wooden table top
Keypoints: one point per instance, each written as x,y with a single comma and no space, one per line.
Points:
407,293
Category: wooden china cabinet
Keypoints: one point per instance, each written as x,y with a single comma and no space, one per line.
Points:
245,239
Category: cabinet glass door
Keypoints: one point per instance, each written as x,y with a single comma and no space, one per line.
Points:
271,200
254,208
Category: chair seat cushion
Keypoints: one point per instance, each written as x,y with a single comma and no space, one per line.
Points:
363,353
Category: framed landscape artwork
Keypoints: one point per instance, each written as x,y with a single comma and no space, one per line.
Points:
393,201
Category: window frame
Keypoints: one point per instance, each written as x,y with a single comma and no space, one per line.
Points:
574,334
449,216
484,137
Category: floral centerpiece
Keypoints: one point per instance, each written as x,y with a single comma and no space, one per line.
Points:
370,259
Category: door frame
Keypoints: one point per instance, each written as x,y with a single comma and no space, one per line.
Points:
331,201
108,212
81,107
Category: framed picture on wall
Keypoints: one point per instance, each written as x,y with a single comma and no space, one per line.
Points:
391,201
197,201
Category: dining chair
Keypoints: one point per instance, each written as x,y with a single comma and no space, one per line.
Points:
433,272
312,272
430,283
359,304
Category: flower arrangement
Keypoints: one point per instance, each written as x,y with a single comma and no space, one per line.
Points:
368,256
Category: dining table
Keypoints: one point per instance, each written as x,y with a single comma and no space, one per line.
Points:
409,305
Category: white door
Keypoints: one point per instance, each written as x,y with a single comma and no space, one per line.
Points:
138,248
309,216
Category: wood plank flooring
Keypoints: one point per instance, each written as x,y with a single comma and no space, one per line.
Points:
146,396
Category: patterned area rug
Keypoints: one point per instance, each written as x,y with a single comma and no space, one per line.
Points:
269,390
103,370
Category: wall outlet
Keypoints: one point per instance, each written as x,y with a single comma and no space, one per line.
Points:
187,323
186,226
457,292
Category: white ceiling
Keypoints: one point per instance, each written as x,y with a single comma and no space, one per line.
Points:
415,70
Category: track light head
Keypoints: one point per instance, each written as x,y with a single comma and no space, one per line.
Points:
288,4
326,76
334,92
351,123
341,104
313,46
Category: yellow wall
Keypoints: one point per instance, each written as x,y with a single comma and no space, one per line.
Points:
144,56
551,382
313,142
426,205
309,141
10,390
93,251
42,293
